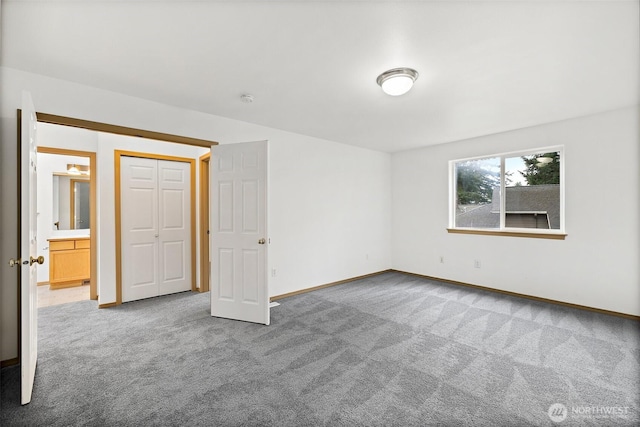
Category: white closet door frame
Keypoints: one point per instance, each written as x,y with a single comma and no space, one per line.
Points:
119,155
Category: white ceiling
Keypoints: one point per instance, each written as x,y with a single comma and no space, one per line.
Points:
485,67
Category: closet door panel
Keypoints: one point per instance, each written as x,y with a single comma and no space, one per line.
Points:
174,215
139,225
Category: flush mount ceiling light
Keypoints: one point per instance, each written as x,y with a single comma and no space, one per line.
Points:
397,81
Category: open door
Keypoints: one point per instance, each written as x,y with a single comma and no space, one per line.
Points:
238,226
28,249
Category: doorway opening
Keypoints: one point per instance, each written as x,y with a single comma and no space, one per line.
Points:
67,216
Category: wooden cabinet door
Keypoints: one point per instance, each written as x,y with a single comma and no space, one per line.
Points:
69,265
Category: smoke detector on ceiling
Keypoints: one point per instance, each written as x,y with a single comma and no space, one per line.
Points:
247,99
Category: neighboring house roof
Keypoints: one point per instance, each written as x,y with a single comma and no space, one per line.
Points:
519,199
481,216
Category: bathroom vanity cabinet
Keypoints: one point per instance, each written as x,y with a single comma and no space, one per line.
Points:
69,262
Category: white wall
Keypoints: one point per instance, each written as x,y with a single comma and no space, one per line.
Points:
329,213
329,203
598,263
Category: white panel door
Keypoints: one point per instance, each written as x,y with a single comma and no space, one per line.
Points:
155,227
238,226
139,227
174,227
28,250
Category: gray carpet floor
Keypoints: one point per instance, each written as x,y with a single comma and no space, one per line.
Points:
392,349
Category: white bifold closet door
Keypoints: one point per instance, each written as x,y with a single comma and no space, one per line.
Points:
156,227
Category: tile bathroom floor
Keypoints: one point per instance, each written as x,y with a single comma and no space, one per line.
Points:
48,297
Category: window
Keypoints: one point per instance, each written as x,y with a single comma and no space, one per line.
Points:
515,194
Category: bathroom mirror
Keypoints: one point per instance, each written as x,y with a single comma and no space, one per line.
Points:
70,202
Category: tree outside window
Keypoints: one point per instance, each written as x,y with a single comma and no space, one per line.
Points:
519,190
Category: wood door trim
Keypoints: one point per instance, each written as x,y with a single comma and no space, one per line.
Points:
118,225
204,222
93,214
121,130
118,154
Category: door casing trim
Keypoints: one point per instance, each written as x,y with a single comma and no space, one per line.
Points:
118,154
93,214
204,221
121,130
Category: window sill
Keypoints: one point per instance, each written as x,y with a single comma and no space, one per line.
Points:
534,235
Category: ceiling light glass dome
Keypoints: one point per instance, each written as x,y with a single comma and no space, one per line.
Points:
397,81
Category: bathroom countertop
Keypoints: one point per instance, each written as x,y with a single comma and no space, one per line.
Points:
62,238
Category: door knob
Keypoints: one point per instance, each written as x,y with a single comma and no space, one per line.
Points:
14,262
39,260
262,241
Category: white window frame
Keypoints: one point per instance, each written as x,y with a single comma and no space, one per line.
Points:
502,230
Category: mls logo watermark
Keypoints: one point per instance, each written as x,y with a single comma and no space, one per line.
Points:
557,412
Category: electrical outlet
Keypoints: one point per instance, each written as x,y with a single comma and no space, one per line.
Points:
476,263
441,259
273,272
